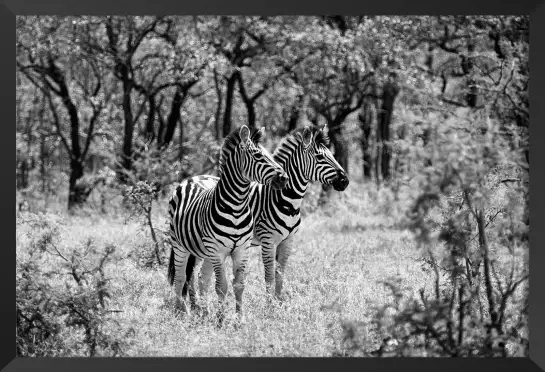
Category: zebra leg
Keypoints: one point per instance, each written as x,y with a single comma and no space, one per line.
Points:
240,261
205,277
191,283
180,262
221,285
204,281
282,253
268,252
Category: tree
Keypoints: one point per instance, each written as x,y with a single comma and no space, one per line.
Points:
389,94
472,60
249,47
122,51
333,77
170,64
69,80
367,119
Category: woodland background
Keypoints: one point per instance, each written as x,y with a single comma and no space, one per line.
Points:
424,254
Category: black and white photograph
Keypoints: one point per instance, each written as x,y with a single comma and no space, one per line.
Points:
272,186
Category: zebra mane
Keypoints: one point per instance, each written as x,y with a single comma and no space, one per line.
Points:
318,136
233,140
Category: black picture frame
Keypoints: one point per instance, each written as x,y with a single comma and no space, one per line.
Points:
534,8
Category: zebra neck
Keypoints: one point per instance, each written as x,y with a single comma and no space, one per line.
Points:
295,190
231,194
286,155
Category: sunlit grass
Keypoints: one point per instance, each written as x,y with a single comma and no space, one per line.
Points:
341,255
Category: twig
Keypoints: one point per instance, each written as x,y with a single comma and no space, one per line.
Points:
59,253
510,180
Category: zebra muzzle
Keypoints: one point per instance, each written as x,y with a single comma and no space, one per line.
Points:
280,181
340,183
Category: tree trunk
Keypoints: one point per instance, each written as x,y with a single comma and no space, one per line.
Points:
126,160
43,163
229,103
366,119
249,102
251,114
339,144
467,66
150,132
29,159
154,237
295,113
340,148
76,162
181,151
400,159
161,129
23,174
173,117
75,192
389,94
488,282
386,147
43,150
219,105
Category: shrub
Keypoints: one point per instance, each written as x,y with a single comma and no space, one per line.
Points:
62,297
470,220
140,199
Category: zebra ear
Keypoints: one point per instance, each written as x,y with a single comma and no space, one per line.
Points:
307,136
262,132
323,127
244,134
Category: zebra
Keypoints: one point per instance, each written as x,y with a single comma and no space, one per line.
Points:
215,222
305,155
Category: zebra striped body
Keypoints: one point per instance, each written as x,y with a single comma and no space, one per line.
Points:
305,157
215,221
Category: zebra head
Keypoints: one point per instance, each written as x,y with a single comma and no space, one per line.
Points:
318,163
257,164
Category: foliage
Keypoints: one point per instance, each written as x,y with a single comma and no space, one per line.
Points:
126,106
140,199
470,219
62,297
183,71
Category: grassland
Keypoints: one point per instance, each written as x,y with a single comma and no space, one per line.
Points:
342,253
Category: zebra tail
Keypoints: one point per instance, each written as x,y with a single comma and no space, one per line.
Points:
188,272
171,268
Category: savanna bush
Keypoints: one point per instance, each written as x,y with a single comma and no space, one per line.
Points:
140,200
62,294
164,166
160,166
469,216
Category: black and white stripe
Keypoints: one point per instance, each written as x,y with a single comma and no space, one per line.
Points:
305,156
213,221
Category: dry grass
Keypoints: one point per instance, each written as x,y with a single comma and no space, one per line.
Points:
341,255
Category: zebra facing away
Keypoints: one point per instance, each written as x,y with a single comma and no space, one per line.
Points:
305,156
215,222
